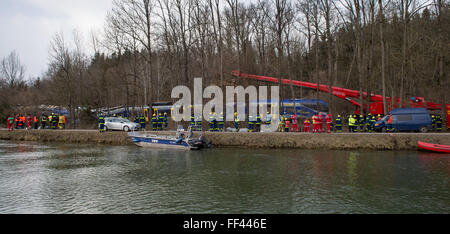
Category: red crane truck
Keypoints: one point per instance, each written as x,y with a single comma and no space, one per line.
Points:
376,101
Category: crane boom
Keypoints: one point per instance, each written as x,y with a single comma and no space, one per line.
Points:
376,106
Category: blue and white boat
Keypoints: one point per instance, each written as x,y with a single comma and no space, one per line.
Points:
168,142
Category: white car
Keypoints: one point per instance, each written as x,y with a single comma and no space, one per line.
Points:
120,124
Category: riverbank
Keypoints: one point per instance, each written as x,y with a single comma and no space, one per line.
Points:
67,136
342,141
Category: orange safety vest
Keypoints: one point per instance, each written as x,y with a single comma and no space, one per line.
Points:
36,119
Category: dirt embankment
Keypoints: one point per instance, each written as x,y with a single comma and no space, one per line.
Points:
343,141
326,141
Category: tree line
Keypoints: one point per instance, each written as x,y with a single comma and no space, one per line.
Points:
395,48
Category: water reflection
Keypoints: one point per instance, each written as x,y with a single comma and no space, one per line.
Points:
352,164
93,179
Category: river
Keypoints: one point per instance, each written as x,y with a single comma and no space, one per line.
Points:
91,179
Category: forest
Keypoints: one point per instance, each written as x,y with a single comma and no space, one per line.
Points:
395,48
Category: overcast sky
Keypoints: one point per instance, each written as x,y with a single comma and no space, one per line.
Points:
27,26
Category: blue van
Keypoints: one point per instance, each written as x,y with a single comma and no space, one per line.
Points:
407,120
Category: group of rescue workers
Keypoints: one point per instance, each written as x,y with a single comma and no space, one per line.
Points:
29,122
319,123
159,122
289,123
437,122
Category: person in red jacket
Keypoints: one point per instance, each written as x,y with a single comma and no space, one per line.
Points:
294,123
329,121
286,125
306,125
315,121
320,124
29,122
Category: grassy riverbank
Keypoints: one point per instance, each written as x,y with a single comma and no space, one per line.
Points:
67,136
344,141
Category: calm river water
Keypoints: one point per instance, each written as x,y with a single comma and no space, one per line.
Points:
36,178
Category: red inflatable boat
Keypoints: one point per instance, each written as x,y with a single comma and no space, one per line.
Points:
433,147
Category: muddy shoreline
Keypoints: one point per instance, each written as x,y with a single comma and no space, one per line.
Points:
344,141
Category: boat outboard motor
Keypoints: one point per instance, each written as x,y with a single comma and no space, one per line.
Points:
201,143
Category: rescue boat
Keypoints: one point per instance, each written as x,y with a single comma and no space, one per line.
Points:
180,141
433,147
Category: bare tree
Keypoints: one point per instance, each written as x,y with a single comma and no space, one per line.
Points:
326,8
260,24
12,71
218,34
132,18
236,24
383,53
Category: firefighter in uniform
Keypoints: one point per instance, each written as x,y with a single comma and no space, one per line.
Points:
142,121
192,123
160,122
215,123
251,123
438,123
154,122
221,122
199,123
165,120
352,123
54,120
101,123
211,121
361,122
433,122
236,122
258,123
137,119
43,121
373,121
338,124
268,119
368,118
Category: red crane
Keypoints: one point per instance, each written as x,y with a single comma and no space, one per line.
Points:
376,101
